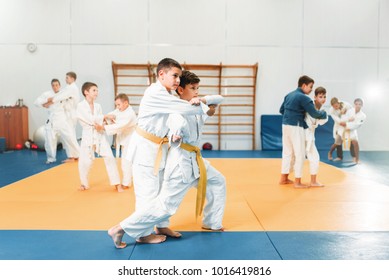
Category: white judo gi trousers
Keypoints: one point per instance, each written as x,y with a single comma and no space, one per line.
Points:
293,148
313,157
62,129
147,186
87,155
71,150
159,209
126,166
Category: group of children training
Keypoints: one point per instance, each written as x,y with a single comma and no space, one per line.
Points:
301,116
65,109
159,150
160,147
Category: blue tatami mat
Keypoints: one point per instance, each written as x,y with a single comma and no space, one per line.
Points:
97,245
210,246
17,165
316,245
59,245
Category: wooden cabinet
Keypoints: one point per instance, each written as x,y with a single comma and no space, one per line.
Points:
14,125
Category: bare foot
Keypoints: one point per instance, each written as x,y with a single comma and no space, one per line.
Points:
316,184
152,239
168,232
338,159
69,160
83,188
126,187
119,188
116,233
216,230
288,181
300,186
329,156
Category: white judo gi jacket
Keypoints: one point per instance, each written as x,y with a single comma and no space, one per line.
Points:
156,105
310,131
190,128
70,96
87,119
56,111
350,131
336,115
123,127
154,109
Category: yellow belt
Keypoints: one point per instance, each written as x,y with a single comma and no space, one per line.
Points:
157,140
202,186
346,139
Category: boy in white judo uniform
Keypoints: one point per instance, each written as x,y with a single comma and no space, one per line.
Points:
184,164
122,122
90,116
296,104
185,168
351,121
337,110
312,153
70,97
57,124
148,144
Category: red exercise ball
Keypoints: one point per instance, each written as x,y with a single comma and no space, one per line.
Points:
207,146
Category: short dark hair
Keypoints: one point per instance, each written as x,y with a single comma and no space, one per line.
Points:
55,80
188,78
320,90
122,97
167,64
72,74
305,80
86,86
358,100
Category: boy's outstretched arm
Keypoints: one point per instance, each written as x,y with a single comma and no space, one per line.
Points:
311,110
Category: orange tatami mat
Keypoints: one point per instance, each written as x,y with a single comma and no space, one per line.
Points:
255,201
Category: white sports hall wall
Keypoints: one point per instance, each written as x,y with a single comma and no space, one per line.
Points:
343,45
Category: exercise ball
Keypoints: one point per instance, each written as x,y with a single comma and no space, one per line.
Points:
39,137
207,146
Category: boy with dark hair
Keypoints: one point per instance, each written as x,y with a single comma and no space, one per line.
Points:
185,132
293,109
